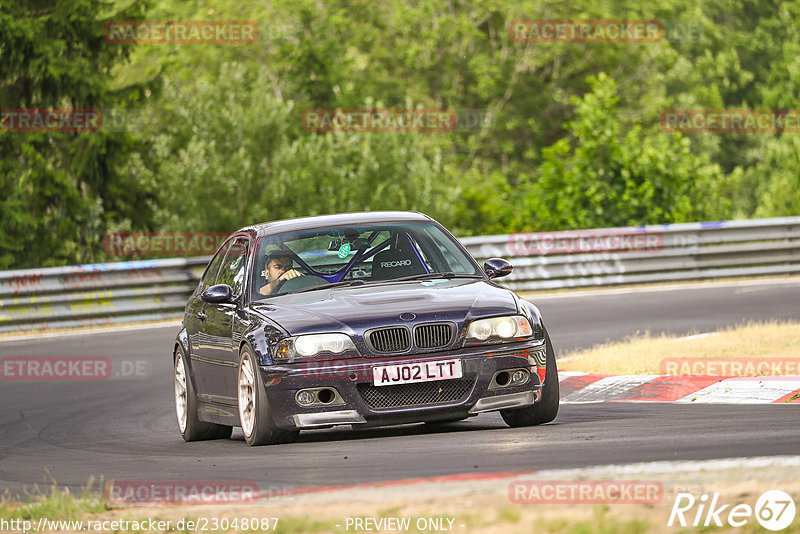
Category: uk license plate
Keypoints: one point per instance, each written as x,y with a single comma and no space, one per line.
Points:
409,373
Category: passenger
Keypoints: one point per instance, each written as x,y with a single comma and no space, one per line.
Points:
278,269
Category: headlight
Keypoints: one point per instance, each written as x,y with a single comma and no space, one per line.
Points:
313,345
498,329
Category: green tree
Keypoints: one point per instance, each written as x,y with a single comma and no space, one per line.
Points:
607,177
59,190
230,154
223,146
778,178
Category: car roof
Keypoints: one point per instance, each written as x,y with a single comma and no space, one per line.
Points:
339,219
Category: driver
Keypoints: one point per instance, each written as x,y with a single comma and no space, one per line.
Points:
278,269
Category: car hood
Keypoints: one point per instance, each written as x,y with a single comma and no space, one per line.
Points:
355,309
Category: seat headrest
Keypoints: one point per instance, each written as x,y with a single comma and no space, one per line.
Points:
395,263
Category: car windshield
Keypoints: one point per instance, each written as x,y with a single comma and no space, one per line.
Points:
356,254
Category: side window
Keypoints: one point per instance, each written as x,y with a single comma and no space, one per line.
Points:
232,270
210,276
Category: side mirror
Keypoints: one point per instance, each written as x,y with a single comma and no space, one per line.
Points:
496,268
220,293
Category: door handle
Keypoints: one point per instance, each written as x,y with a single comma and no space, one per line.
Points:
202,316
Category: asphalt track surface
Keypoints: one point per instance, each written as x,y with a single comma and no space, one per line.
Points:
124,428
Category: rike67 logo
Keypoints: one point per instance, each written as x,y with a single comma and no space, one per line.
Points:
774,510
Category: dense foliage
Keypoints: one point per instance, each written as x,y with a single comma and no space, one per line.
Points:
211,136
60,190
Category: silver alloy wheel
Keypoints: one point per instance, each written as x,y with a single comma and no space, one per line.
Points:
180,392
247,397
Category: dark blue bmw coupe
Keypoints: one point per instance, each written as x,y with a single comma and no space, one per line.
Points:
373,318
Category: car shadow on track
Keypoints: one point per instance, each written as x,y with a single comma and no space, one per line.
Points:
578,414
589,413
345,433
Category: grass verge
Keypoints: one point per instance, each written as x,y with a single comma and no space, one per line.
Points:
459,508
56,503
752,344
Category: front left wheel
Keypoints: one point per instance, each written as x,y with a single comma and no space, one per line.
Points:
546,409
190,426
258,426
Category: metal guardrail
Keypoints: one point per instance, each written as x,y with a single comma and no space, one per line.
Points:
685,251
105,293
64,297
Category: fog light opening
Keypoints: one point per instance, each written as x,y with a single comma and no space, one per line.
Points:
325,396
305,398
502,378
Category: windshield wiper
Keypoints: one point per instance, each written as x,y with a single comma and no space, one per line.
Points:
361,282
428,276
357,282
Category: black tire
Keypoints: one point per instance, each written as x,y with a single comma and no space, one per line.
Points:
193,428
263,431
547,408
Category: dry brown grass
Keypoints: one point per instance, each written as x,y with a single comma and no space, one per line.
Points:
483,507
645,354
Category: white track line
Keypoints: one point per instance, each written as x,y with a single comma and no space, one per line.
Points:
697,336
609,388
533,295
669,467
744,391
108,330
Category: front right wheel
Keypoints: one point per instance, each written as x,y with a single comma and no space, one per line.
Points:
258,426
546,409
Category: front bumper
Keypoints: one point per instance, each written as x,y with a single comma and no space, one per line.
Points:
354,400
